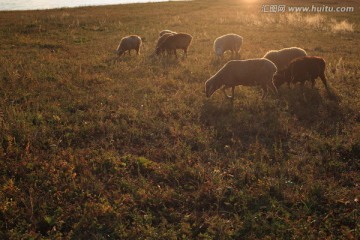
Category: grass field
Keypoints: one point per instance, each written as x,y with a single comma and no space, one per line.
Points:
99,147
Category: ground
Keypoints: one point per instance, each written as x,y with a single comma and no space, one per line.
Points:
95,146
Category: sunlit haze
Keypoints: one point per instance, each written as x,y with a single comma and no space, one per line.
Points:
48,4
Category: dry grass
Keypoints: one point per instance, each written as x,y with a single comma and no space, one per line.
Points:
99,147
341,27
315,22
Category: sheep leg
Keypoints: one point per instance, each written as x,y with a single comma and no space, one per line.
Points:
288,83
302,90
312,83
137,51
323,79
264,92
224,90
235,51
274,89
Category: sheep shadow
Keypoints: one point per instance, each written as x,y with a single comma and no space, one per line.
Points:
113,59
162,65
314,109
240,126
249,121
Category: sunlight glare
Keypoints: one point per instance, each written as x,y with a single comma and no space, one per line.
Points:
248,1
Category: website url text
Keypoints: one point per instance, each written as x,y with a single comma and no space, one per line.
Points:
313,8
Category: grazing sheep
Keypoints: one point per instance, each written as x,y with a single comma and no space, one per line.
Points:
175,41
251,72
226,42
128,43
160,41
283,57
166,31
302,69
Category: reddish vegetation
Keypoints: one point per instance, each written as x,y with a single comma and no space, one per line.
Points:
97,147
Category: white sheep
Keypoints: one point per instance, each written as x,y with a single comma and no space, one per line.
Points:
128,43
227,42
250,72
284,56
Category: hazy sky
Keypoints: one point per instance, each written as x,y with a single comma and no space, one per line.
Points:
44,4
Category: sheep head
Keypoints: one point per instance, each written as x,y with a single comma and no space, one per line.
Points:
120,51
158,50
279,78
219,51
210,87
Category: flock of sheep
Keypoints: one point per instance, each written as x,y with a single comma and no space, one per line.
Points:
290,65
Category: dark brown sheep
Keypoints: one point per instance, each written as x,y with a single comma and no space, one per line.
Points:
302,69
175,41
160,41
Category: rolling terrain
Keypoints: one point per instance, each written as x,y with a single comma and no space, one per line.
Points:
94,146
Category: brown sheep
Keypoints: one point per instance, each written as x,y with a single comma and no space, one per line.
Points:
302,69
251,72
160,41
175,41
128,43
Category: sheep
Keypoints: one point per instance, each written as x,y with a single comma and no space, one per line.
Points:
283,57
160,41
302,69
128,43
250,72
166,31
175,41
226,42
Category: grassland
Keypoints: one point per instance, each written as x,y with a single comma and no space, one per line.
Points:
99,147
